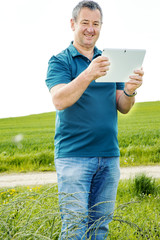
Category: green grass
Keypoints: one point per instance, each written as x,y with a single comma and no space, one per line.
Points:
35,152
31,213
139,139
140,218
139,135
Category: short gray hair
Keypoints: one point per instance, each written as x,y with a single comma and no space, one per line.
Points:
88,4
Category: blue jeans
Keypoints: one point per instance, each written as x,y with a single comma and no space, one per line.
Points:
87,193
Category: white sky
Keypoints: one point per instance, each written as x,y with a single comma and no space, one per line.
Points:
33,30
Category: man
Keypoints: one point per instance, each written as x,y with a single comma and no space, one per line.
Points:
86,145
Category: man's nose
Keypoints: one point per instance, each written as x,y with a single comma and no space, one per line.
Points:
90,28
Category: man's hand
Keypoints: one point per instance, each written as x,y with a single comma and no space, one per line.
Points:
98,67
135,82
125,103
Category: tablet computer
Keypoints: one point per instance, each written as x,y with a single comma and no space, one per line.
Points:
123,63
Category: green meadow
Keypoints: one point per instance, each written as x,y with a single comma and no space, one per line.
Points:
27,143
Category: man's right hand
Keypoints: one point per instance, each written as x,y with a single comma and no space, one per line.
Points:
65,95
98,67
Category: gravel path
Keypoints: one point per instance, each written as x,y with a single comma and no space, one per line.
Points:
39,178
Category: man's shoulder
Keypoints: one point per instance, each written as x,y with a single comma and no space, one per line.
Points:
63,54
64,57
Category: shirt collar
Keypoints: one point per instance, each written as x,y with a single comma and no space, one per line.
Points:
74,52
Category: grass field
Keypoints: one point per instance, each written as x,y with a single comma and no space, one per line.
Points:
31,213
139,135
27,142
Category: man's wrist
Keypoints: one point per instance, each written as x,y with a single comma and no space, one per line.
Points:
88,75
130,95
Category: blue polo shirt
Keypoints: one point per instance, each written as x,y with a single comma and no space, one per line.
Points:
89,127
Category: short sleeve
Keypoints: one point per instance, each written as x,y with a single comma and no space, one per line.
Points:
120,85
58,72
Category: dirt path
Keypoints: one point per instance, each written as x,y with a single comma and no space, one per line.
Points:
40,178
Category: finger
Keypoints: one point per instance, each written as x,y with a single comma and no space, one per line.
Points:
136,83
140,72
136,77
105,63
104,69
102,58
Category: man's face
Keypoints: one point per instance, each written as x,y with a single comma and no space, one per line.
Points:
86,28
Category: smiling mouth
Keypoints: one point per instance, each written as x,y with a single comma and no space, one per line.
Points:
88,36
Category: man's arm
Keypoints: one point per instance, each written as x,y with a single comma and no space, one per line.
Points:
124,102
65,95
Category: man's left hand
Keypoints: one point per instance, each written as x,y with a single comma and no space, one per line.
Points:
134,82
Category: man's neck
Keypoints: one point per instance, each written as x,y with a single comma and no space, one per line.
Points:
87,52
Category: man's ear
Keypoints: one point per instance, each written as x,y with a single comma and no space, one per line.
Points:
72,24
